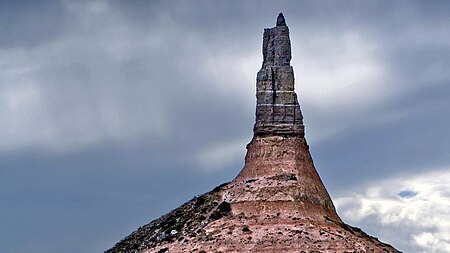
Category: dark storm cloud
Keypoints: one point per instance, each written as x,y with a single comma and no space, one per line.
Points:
111,110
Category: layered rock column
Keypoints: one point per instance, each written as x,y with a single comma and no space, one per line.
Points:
278,164
277,108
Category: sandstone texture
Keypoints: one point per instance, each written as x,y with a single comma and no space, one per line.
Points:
277,107
278,202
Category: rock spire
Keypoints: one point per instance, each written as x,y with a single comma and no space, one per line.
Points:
277,108
280,20
278,149
278,202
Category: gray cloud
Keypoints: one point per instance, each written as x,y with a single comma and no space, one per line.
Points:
111,109
404,219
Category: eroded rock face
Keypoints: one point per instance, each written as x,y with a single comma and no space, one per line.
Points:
281,169
278,202
277,108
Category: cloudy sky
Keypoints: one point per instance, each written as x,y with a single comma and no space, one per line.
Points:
115,112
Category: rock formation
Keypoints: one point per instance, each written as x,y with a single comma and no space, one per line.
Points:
278,202
277,108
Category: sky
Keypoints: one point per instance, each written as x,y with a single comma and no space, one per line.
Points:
113,113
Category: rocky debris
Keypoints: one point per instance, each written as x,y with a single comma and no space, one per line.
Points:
187,221
278,202
250,226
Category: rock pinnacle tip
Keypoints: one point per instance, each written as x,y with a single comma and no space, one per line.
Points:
280,20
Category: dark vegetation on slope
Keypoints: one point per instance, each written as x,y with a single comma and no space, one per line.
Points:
186,221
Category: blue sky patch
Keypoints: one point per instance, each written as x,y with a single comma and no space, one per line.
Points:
407,194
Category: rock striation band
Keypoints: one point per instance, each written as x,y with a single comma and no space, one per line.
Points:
277,108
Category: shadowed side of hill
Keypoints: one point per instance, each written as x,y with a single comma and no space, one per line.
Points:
187,221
